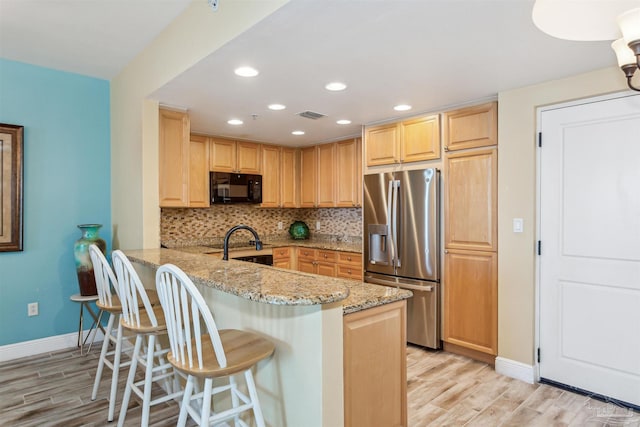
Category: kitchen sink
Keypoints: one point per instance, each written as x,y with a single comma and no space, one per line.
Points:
258,259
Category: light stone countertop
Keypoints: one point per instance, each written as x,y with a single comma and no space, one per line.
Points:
332,245
270,285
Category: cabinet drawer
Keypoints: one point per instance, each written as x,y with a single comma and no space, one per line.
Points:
281,253
308,254
350,258
326,256
349,272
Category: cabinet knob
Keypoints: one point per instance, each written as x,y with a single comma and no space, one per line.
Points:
446,251
349,271
348,258
446,148
325,255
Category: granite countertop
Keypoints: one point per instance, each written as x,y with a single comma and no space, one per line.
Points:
270,285
342,246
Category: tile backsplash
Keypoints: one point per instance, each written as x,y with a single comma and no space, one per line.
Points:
208,225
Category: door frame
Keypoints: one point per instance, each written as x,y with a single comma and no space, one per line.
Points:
539,111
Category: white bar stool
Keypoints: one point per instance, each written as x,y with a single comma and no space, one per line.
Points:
85,301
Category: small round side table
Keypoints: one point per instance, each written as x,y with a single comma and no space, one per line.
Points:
85,301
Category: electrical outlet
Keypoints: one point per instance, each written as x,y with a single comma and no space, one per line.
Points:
32,309
280,225
317,225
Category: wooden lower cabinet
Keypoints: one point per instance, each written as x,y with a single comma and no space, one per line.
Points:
349,265
317,261
282,257
346,265
375,341
471,300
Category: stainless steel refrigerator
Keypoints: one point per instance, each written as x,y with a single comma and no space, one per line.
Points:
402,244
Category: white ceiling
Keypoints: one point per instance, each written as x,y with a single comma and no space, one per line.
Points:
431,54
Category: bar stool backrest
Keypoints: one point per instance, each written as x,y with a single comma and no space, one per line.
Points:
106,282
185,310
131,291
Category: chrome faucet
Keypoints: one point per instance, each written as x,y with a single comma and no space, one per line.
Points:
225,246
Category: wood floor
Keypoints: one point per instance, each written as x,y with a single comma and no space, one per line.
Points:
54,389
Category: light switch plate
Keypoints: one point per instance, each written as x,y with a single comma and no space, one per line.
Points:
518,225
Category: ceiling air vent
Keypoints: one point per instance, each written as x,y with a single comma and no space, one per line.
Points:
311,115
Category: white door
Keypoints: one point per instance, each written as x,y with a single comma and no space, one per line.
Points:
590,247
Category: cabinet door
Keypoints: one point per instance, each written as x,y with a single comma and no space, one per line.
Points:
270,176
375,340
173,154
326,269
248,157
382,145
308,176
470,127
282,257
222,153
420,139
471,300
326,178
290,176
199,171
306,266
470,199
347,173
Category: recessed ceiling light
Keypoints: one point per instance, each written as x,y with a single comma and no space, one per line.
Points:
335,86
246,71
297,132
277,107
234,122
402,107
344,122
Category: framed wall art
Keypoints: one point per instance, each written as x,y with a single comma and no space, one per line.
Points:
11,173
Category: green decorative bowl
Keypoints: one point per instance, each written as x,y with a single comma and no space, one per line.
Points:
299,230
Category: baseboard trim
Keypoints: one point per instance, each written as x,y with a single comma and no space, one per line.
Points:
514,369
43,345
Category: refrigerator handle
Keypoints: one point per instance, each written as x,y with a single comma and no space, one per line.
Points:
394,230
391,221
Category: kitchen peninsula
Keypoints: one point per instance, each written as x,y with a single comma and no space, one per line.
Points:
322,327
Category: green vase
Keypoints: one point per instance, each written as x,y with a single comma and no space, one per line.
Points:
84,267
299,230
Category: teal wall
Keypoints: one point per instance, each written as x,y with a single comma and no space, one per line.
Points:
66,123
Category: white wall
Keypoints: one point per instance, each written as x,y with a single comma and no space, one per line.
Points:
517,199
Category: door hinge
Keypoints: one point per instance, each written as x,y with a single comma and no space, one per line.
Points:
539,247
539,139
538,354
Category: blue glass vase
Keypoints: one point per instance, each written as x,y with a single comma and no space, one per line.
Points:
84,267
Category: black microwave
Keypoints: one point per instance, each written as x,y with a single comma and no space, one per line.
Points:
235,188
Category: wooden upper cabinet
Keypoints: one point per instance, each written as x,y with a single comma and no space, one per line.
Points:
222,155
471,127
412,140
383,144
308,177
470,200
173,146
248,157
326,180
271,176
198,171
471,300
289,177
234,156
348,175
420,139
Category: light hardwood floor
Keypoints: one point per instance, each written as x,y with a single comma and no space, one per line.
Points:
54,389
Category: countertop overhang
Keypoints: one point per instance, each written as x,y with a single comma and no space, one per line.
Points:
270,285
